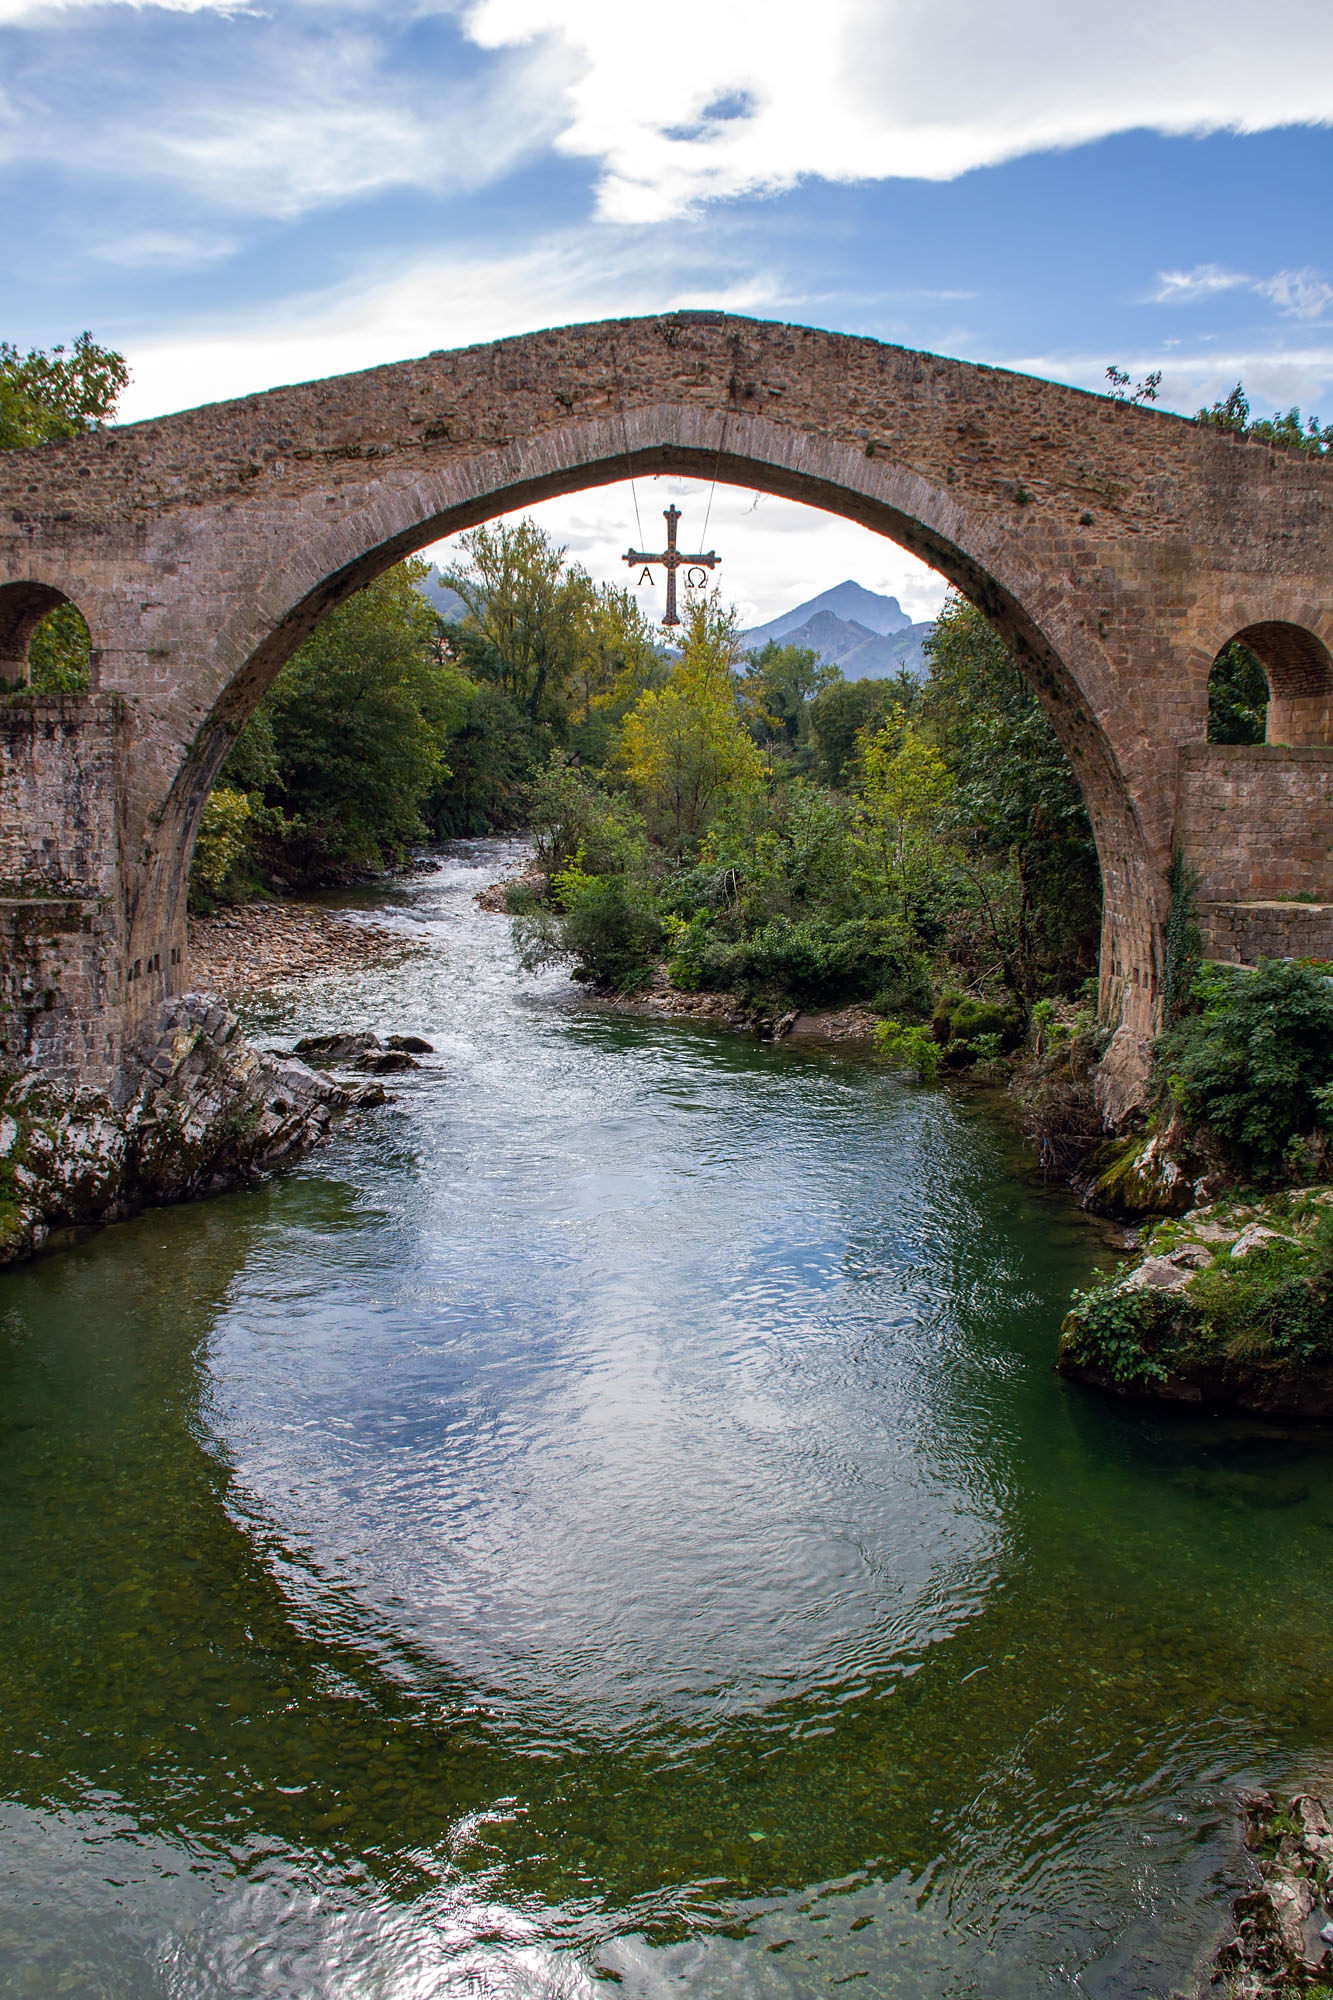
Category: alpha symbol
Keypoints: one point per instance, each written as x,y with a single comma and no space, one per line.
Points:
672,560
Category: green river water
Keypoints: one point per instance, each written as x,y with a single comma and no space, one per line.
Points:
609,1523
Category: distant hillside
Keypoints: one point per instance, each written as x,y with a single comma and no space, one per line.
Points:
438,595
870,637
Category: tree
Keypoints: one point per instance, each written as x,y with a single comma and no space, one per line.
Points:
359,721
840,714
1287,430
905,786
57,395
1237,697
59,653
776,689
1016,800
44,397
529,614
683,744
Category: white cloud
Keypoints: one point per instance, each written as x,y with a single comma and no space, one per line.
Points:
710,101
13,12
1205,281
1300,294
1303,294
145,248
288,114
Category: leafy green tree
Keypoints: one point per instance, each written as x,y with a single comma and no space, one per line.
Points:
839,716
906,785
360,721
493,754
44,397
1237,697
1016,800
777,687
684,745
57,395
529,614
1287,431
59,653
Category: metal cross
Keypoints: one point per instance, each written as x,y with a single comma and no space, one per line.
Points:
673,559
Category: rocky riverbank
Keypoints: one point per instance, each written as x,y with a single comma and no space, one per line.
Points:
1229,1305
1280,1949
850,1026
261,947
204,1111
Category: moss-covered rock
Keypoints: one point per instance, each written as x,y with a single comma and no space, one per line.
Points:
1230,1304
1138,1176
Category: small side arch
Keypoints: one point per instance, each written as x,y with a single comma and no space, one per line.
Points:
25,608
1298,668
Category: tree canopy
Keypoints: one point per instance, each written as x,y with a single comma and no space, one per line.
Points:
60,394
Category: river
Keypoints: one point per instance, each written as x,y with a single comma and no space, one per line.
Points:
609,1521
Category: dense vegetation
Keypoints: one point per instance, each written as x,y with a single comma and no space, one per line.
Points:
753,823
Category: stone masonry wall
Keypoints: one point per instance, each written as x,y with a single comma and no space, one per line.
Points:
1256,820
1243,933
60,921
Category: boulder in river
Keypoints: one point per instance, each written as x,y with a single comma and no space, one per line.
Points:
1229,1305
328,1050
206,1110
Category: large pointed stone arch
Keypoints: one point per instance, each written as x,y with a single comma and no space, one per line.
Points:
1109,543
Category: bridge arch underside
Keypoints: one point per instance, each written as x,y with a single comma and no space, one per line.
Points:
1040,611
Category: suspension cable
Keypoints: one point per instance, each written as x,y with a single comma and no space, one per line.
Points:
624,437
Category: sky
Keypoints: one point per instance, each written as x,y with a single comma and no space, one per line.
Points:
242,195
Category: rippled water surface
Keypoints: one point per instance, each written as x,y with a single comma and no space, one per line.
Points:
610,1520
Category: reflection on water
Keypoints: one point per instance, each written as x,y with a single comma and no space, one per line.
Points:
611,1518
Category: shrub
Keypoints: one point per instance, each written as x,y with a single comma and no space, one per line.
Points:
970,1030
818,962
610,927
909,1045
223,835
1256,1065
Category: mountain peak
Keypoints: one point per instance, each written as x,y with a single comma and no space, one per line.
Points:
867,635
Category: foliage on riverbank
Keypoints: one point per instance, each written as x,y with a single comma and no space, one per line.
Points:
949,867
1241,1095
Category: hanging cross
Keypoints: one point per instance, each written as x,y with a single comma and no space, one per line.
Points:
673,559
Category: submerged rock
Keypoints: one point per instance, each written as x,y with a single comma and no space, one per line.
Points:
328,1050
1230,1304
203,1110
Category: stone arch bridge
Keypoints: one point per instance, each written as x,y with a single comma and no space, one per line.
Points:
1118,548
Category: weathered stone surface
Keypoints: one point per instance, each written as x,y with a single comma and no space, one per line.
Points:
208,1111
1118,549
1276,1950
